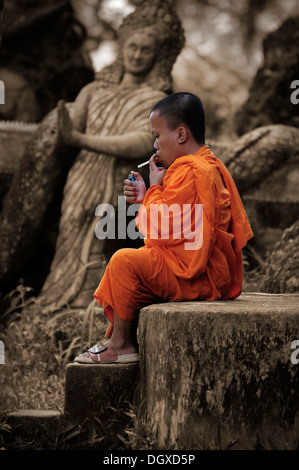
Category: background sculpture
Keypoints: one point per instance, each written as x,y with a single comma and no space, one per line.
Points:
42,57
262,161
115,109
265,164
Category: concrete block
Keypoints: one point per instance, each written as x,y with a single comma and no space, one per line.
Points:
218,375
37,429
91,389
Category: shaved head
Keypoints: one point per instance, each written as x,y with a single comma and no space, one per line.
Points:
183,108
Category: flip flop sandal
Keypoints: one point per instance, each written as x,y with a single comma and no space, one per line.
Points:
100,354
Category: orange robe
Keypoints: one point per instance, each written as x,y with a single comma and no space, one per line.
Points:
173,266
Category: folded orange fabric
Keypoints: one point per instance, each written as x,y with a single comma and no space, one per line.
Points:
203,261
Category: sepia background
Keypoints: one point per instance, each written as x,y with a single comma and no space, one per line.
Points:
240,56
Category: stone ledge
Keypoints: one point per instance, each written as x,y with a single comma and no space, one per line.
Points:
219,374
249,302
91,389
40,426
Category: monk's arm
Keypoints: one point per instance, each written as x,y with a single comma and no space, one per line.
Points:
180,189
168,201
184,193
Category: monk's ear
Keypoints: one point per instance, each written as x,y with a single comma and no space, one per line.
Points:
182,134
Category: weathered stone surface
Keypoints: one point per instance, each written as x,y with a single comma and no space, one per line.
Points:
14,137
20,100
97,399
269,219
219,374
265,166
43,46
269,96
91,389
97,178
258,154
40,427
33,200
281,273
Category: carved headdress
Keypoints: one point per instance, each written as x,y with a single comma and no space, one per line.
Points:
160,18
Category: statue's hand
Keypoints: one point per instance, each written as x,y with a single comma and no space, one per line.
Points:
135,191
65,125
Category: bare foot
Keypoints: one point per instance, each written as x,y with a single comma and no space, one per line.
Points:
121,349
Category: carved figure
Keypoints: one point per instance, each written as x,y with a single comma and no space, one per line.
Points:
109,121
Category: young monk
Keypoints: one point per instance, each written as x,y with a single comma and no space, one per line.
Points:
200,259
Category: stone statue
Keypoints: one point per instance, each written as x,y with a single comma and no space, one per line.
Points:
109,122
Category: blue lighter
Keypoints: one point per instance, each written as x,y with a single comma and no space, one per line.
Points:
131,178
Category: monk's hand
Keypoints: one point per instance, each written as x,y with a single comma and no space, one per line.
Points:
135,191
65,125
157,174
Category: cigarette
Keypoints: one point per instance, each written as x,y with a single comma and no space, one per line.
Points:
143,164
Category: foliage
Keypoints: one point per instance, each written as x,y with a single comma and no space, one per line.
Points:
38,346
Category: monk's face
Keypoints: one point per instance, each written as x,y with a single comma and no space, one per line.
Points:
166,140
139,53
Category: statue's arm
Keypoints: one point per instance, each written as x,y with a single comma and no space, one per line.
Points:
79,109
131,145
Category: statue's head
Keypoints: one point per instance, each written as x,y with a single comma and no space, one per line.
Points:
156,26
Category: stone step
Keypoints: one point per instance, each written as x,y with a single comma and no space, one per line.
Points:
212,375
40,427
92,390
217,375
97,400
